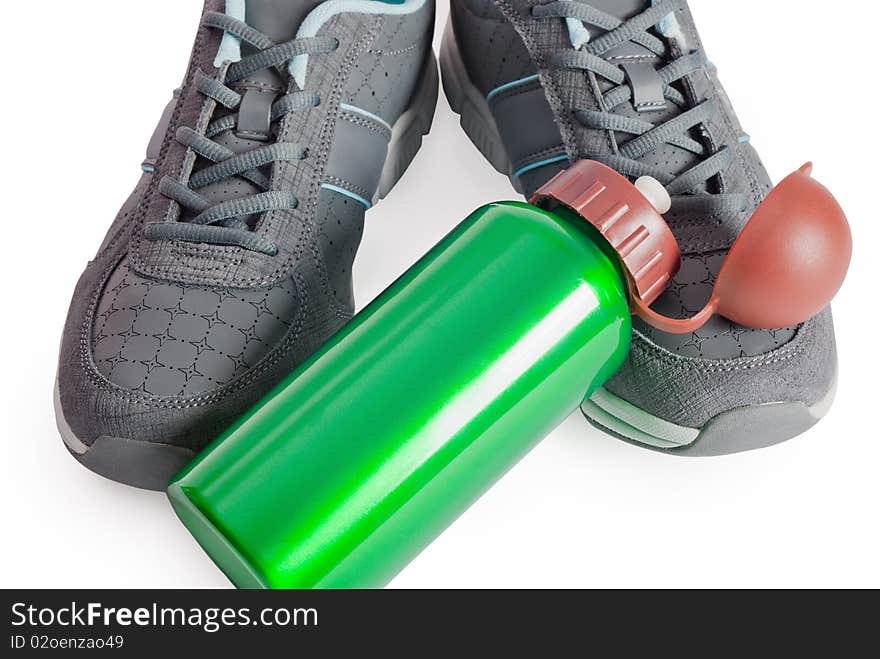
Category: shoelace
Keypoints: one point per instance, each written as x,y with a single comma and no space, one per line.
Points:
222,223
647,136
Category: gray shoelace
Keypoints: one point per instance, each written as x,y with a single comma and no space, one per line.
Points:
646,136
223,223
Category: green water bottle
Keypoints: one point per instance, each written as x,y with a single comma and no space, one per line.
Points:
365,454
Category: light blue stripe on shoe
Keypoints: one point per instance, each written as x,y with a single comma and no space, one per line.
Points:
230,46
330,8
369,115
347,193
538,165
511,85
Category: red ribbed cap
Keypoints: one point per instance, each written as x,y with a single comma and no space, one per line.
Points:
624,216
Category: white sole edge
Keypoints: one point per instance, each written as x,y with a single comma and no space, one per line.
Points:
635,424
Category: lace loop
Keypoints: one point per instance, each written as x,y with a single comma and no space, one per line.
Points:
647,136
225,223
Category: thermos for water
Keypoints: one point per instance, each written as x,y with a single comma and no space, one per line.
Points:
365,454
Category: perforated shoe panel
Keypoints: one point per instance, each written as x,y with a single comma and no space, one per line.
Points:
720,339
169,340
494,54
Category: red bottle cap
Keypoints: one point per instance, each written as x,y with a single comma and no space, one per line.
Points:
787,265
625,217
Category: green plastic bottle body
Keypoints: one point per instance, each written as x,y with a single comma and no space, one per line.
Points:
364,455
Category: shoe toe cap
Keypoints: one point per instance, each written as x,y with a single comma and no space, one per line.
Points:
168,340
155,364
692,391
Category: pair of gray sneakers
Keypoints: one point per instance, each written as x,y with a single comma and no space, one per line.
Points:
231,262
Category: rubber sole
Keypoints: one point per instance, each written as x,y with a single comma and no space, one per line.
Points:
152,465
736,431
145,465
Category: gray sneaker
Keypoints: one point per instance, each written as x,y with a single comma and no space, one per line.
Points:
539,84
231,262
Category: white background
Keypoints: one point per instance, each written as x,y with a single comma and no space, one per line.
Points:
85,83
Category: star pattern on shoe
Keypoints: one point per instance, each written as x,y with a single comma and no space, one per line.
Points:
676,287
691,307
116,359
164,337
177,310
214,319
129,333
112,310
141,307
121,286
785,331
262,307
239,361
153,364
143,389
696,342
709,280
201,346
157,333
735,332
226,295
191,372
250,334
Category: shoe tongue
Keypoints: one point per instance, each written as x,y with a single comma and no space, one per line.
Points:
622,9
278,19
665,156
